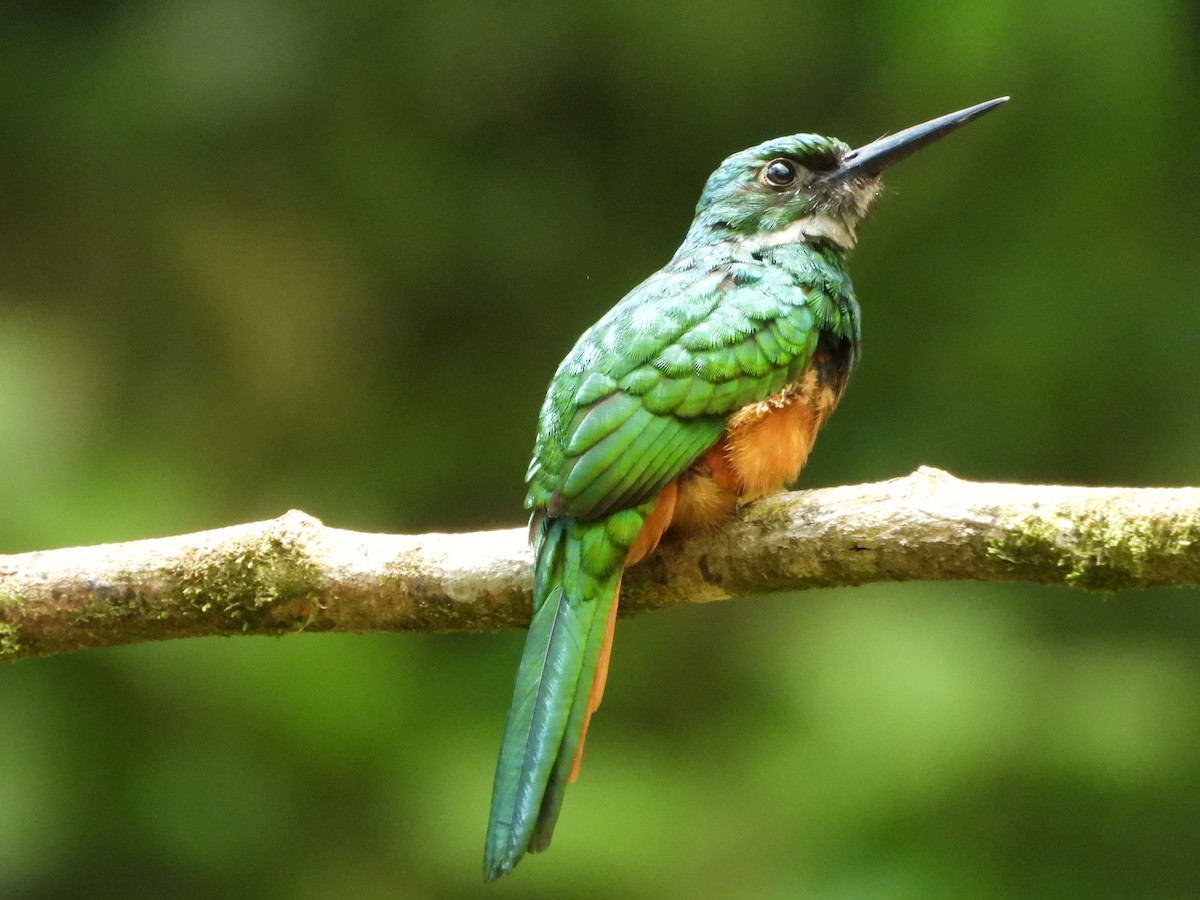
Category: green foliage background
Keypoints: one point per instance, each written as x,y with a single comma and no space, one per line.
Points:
258,254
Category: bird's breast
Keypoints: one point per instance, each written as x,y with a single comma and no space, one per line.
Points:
764,445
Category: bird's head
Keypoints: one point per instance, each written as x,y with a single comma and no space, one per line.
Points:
806,187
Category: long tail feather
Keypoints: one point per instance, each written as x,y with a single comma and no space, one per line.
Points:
577,577
578,571
599,679
587,700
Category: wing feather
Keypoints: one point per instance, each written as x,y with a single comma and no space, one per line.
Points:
649,388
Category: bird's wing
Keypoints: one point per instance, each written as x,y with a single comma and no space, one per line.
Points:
648,389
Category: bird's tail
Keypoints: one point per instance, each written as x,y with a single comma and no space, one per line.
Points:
577,575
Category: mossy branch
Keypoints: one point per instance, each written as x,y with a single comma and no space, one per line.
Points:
294,574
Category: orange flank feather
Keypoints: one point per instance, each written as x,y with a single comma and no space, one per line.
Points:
708,492
652,531
655,525
763,448
768,449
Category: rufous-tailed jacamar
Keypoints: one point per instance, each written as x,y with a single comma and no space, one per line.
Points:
703,389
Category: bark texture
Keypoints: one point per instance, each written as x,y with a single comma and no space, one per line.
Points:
294,574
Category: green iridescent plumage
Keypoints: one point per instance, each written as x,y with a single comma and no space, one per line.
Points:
736,316
643,394
668,365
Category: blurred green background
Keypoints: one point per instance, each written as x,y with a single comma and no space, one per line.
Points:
257,255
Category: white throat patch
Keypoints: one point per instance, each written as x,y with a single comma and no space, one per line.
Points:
837,229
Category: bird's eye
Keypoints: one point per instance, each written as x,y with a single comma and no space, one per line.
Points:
779,173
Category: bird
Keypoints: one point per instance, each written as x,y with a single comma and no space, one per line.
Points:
702,390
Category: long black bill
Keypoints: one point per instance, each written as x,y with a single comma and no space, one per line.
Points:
887,151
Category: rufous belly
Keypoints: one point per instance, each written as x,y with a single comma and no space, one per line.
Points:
762,450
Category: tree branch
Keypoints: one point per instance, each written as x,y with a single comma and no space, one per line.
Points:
294,574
